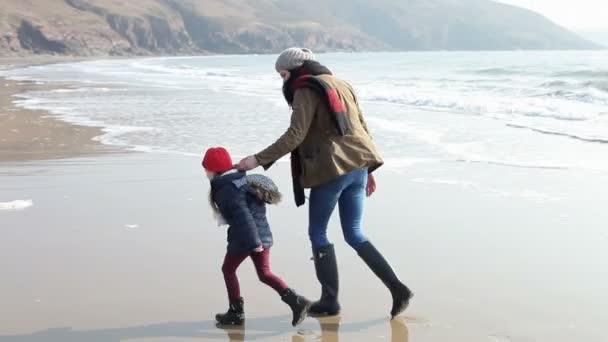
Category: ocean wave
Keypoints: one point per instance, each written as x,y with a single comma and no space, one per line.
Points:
492,81
518,165
554,84
79,90
498,71
184,69
159,108
155,149
539,105
119,135
563,134
577,96
593,73
600,85
570,85
465,152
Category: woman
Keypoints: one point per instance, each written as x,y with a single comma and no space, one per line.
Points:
332,154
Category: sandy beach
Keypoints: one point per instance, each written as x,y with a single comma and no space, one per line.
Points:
34,135
123,247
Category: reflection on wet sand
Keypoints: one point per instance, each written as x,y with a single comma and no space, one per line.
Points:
257,329
331,328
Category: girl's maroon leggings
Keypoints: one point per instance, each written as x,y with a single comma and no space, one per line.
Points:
262,266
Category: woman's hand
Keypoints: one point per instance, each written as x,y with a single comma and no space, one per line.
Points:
371,185
259,249
248,163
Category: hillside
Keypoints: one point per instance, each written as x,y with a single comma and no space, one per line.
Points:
151,27
599,37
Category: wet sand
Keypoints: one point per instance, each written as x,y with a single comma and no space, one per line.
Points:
35,135
124,248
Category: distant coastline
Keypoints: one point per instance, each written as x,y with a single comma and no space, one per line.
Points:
158,28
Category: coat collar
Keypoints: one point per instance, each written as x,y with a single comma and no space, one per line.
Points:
227,177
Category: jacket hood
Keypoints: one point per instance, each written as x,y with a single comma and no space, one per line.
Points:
263,188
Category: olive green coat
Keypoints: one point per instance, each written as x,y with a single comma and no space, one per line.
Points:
324,153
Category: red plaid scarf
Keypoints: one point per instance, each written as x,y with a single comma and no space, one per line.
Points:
306,77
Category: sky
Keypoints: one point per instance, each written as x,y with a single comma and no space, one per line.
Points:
577,15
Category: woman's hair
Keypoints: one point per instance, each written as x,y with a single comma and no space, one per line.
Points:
313,68
288,91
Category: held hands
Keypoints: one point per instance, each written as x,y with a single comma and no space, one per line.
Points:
371,185
248,163
259,249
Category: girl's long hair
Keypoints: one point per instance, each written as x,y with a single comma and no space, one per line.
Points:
214,207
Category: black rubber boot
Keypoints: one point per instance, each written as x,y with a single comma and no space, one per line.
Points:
376,262
327,273
235,314
298,304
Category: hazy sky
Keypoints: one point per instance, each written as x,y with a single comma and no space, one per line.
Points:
579,15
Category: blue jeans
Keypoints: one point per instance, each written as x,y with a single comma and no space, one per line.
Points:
348,191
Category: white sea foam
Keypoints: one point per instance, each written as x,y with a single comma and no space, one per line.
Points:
16,205
80,90
516,112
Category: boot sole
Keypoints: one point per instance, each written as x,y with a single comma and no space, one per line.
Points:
303,316
324,314
404,306
401,309
235,324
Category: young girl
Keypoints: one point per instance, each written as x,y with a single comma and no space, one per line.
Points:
240,202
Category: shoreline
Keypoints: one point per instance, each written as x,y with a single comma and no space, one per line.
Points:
14,62
27,135
31,135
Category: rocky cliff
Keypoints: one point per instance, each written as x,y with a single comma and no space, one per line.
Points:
153,27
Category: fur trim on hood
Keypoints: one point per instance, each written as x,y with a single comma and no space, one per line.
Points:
264,188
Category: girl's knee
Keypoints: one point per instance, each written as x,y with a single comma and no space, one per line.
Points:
227,269
265,277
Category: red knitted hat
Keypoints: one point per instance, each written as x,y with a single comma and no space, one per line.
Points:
217,160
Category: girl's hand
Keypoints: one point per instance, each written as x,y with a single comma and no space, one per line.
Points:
371,185
259,249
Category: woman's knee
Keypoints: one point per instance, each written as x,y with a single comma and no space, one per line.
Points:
354,239
318,239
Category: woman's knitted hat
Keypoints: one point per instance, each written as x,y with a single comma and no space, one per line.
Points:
293,58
